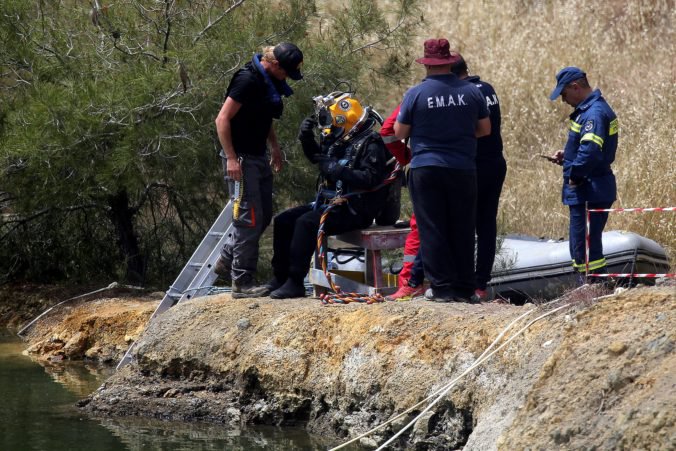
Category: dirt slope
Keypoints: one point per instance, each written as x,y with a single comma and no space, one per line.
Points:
20,303
611,381
100,330
597,375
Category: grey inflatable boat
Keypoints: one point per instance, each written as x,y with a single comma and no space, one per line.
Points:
530,268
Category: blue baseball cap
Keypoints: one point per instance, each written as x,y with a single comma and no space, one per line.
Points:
565,76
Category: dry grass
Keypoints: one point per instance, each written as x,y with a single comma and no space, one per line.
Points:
627,49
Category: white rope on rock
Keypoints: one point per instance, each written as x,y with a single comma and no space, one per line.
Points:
109,287
464,373
504,331
477,362
443,390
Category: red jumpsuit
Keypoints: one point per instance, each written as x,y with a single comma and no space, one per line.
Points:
403,155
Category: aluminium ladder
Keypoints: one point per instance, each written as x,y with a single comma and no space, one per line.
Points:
197,276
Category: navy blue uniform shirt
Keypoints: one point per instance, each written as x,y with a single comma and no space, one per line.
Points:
589,152
443,112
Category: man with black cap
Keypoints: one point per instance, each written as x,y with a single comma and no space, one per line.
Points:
244,126
588,180
444,116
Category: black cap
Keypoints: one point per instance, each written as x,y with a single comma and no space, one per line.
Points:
290,58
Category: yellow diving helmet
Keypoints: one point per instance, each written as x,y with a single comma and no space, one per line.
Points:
339,113
346,112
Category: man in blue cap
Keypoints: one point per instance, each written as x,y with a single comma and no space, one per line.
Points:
588,180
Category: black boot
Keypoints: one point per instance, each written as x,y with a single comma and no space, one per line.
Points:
290,289
274,283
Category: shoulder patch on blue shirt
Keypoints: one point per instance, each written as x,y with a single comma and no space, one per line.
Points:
588,125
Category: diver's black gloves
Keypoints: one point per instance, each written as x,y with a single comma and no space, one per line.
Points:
307,128
306,137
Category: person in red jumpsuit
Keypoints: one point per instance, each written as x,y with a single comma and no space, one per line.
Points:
410,280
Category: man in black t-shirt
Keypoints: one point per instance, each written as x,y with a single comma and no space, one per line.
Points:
491,169
244,126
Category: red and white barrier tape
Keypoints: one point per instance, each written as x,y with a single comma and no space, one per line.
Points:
645,276
638,210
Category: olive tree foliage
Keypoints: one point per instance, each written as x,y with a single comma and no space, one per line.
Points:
109,160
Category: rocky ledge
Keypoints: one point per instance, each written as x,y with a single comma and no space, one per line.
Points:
598,374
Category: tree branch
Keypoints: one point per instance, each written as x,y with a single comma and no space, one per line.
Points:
128,51
179,213
233,68
18,221
385,36
167,16
144,195
214,23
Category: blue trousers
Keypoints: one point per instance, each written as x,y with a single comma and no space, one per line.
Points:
597,223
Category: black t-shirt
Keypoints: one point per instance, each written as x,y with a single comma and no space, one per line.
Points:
489,147
251,125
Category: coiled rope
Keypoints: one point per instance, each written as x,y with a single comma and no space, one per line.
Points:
337,296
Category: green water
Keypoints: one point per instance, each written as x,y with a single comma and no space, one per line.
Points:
37,412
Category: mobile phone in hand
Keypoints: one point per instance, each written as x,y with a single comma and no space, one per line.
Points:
549,158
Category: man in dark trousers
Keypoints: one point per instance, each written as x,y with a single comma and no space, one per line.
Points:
588,180
244,126
443,116
491,169
352,160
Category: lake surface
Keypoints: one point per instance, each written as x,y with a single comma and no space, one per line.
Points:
37,412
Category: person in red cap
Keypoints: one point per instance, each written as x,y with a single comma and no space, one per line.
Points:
244,126
443,116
